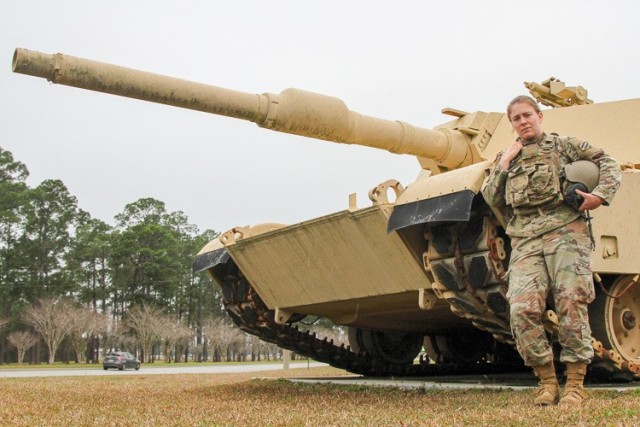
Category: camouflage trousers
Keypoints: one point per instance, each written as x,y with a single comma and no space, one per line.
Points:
557,262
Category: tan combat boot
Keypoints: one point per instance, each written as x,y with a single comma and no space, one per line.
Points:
548,390
574,392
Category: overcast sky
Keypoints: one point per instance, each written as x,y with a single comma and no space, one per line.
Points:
401,62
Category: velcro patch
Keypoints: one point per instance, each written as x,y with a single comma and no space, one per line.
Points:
584,146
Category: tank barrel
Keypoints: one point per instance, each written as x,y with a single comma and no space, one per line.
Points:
292,111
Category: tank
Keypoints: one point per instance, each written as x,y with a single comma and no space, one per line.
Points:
418,277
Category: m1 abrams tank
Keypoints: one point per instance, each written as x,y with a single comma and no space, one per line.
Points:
424,270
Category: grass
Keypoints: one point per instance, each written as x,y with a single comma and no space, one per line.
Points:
243,399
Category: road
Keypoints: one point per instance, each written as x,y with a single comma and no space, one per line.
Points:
150,370
515,381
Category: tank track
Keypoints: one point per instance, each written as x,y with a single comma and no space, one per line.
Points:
248,311
468,262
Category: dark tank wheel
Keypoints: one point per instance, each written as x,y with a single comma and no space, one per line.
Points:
458,348
615,322
396,348
355,339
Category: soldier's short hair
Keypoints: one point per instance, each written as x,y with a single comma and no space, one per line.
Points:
522,99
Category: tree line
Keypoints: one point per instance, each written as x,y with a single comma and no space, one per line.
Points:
72,285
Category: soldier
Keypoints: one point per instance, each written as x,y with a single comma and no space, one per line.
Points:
551,246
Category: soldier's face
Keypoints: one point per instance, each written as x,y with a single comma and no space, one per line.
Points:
526,121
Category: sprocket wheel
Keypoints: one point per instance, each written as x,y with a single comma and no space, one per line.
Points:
615,317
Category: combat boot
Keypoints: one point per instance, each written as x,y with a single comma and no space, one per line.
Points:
574,392
548,391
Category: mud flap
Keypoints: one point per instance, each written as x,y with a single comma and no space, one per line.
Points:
450,207
210,259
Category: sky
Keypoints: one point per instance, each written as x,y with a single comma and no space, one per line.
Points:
405,60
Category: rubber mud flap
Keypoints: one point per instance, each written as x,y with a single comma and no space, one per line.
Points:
450,207
210,259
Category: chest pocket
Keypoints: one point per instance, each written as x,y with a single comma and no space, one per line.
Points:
532,183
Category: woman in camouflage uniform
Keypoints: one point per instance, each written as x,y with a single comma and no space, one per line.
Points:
551,247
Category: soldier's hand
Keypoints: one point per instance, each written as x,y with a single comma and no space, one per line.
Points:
509,154
591,201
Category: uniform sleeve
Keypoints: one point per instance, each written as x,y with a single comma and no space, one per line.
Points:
610,174
493,187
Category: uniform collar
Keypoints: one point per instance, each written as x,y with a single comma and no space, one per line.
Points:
535,141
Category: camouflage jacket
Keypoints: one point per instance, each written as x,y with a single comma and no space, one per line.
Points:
529,193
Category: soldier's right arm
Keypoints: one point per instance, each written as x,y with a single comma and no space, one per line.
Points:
493,187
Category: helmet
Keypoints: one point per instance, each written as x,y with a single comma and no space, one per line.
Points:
582,175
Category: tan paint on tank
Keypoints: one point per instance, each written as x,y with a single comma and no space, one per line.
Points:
469,178
342,256
615,227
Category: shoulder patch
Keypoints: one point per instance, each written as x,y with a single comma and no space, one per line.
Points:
584,146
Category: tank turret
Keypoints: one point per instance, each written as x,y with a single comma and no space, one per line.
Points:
426,272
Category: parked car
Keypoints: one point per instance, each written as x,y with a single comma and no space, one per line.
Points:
120,360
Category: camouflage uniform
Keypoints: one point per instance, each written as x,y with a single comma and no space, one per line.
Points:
550,244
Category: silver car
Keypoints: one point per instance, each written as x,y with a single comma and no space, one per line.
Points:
120,360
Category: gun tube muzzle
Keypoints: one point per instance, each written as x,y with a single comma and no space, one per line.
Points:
292,111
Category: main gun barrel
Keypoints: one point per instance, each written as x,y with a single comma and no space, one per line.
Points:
292,111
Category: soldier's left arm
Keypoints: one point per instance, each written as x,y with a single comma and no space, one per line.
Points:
610,174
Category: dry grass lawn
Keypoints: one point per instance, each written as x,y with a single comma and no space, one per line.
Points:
244,400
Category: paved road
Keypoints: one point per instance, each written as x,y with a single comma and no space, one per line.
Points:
150,370
517,381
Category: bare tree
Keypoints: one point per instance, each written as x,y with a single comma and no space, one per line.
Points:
184,335
114,334
85,323
222,335
22,341
208,326
181,337
53,320
239,347
146,321
197,352
255,348
97,328
272,351
228,339
3,322
176,336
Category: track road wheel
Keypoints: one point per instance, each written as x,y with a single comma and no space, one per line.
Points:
355,339
458,348
397,348
615,318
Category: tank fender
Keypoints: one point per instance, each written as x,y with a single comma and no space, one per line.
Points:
438,198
